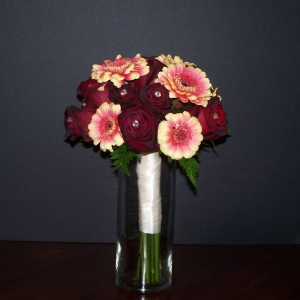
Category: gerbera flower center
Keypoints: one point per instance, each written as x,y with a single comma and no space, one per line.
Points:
118,62
180,134
118,66
108,125
186,82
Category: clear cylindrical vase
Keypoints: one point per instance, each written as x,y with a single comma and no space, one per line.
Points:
145,225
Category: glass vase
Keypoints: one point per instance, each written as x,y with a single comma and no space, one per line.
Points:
145,225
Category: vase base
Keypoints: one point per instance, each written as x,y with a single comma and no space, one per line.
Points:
130,283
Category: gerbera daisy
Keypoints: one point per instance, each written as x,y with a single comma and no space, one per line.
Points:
104,128
120,70
167,60
179,135
186,83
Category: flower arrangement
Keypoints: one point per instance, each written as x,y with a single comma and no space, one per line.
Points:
145,107
138,105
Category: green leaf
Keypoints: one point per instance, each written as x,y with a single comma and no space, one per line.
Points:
209,144
190,165
175,103
214,145
122,156
138,156
205,143
116,155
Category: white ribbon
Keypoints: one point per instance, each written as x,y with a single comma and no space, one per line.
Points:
148,172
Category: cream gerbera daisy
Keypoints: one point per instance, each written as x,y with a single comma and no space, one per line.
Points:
167,60
179,135
120,70
104,128
185,83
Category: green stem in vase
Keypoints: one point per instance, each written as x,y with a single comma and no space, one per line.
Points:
138,266
148,264
153,268
157,257
145,274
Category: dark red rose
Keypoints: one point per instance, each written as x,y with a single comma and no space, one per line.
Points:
126,95
139,129
73,131
77,120
83,119
155,67
92,101
87,86
96,98
213,119
156,96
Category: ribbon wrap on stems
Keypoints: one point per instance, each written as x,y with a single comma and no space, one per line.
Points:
148,172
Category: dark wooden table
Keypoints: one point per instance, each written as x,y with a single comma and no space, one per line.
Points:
32,270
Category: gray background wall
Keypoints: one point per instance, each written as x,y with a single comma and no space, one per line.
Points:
248,193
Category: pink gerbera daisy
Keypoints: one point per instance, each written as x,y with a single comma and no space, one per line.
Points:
186,83
120,70
179,135
167,60
104,128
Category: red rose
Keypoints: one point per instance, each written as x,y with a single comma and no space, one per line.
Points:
155,67
92,101
83,119
213,119
73,131
96,98
77,121
126,95
87,86
156,97
139,129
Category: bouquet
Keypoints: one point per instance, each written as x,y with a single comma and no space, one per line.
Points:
142,108
146,104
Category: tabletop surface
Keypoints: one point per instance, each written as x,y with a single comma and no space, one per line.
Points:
37,270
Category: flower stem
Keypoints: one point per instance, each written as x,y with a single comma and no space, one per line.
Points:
149,264
153,268
157,257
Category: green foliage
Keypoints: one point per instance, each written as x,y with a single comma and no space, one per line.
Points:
122,156
175,103
190,165
209,144
138,156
